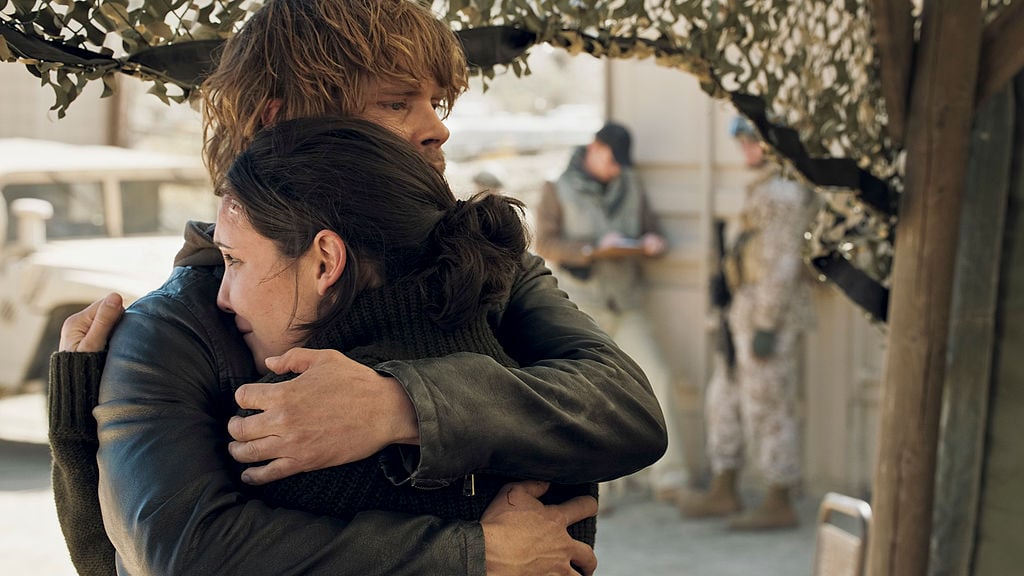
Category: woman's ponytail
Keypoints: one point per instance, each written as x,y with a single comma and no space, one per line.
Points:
478,246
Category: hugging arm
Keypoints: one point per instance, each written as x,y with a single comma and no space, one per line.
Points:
579,410
71,394
73,388
168,488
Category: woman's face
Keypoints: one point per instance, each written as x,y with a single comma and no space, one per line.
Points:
268,294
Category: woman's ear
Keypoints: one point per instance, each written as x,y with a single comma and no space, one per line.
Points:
331,254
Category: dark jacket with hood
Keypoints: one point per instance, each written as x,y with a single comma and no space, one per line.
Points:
579,410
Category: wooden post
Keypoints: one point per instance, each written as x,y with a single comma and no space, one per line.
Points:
1001,54
894,36
938,132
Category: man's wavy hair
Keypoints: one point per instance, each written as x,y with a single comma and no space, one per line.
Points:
317,57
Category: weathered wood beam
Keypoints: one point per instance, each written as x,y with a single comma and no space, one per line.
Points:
1002,51
894,41
972,337
939,120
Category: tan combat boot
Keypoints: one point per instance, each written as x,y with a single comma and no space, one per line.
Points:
721,499
775,511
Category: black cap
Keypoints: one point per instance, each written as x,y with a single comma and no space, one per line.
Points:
617,137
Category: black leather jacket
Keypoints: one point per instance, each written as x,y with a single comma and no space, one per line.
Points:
171,502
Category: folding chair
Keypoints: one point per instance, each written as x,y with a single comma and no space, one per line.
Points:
838,551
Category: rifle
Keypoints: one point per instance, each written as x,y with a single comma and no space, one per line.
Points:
720,298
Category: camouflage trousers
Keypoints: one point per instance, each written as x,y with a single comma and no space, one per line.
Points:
751,408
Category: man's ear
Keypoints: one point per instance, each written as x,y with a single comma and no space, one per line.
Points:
331,254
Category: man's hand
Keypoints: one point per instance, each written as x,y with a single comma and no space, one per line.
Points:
335,412
88,330
653,244
523,537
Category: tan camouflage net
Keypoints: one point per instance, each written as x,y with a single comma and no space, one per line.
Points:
109,32
811,65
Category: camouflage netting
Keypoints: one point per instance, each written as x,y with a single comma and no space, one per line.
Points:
69,43
805,71
810,67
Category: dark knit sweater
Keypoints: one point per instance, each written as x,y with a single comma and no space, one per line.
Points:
73,443
392,323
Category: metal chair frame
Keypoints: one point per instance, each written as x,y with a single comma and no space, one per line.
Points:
839,552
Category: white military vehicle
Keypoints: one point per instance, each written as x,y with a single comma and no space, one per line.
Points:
78,222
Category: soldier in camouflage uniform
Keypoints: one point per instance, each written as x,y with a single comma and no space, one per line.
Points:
750,400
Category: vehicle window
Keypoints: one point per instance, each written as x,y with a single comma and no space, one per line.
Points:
141,206
147,207
165,207
77,208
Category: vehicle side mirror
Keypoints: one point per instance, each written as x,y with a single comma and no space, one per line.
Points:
30,215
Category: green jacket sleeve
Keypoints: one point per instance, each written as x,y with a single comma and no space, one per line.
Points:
579,410
72,393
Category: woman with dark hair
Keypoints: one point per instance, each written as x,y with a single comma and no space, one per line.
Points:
336,234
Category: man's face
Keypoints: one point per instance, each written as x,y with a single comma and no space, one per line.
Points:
411,112
753,153
600,162
268,294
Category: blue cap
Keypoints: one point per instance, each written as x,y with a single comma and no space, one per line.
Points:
740,126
